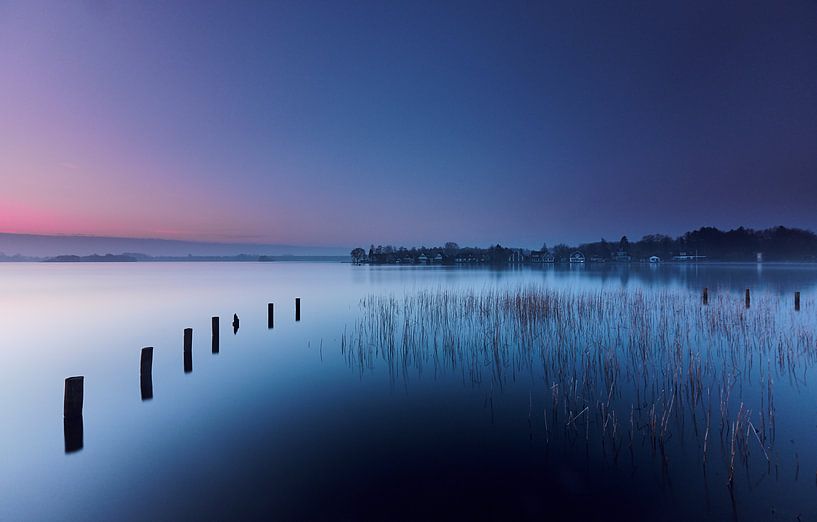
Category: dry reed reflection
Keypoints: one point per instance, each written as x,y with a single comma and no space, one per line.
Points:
620,369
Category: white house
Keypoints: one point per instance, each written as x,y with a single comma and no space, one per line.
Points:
423,259
537,256
655,259
577,257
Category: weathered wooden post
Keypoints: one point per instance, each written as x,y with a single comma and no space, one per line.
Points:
706,296
72,413
146,373
297,308
748,299
74,392
146,366
215,334
235,324
797,301
270,315
188,350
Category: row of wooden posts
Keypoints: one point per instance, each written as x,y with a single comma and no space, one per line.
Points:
748,299
74,386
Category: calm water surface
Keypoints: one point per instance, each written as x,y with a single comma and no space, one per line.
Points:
283,424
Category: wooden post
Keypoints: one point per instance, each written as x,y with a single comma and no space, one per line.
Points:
797,301
270,315
215,334
748,299
235,324
74,392
146,373
297,308
188,350
146,366
706,296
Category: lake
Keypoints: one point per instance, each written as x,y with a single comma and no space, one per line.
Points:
409,393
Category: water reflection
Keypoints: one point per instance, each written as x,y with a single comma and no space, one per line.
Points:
481,440
621,370
72,430
146,385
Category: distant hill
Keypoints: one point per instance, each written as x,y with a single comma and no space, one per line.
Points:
134,257
41,246
107,258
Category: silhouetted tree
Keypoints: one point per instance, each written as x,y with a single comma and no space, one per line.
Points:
358,255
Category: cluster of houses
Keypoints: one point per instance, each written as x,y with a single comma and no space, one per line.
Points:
578,256
519,256
504,256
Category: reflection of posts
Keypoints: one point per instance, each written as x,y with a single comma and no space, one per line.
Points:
706,296
797,301
215,334
188,350
297,308
748,299
72,413
146,373
72,431
270,315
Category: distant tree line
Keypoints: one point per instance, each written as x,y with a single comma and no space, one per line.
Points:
449,254
706,243
740,244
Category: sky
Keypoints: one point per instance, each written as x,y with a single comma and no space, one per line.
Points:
418,122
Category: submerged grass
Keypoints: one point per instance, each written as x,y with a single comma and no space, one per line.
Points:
621,367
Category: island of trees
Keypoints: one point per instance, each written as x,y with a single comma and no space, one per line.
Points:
705,244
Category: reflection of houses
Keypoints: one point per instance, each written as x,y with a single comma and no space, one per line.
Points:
516,256
655,259
683,256
577,257
537,256
622,256
422,260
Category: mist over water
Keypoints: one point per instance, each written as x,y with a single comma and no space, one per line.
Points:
318,419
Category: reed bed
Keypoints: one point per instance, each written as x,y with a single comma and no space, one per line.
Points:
619,368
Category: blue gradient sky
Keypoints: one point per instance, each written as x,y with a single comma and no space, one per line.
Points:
346,123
